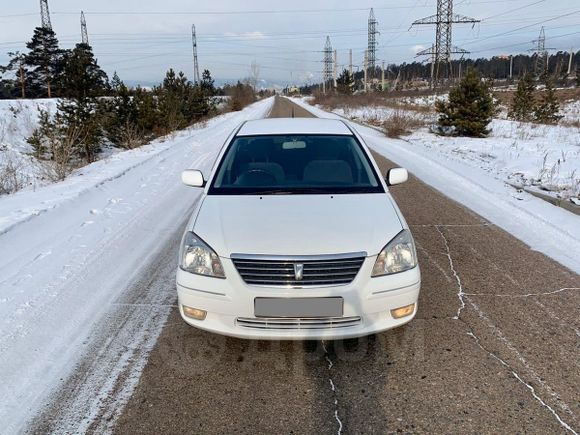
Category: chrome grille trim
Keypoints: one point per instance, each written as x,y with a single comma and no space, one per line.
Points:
298,324
276,271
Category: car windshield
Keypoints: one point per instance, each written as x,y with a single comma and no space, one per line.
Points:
294,164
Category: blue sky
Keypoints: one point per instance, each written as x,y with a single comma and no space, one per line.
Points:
141,39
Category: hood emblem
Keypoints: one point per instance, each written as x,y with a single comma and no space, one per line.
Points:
298,271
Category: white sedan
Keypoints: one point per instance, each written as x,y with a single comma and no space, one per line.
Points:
297,237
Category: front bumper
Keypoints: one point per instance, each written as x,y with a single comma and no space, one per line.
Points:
230,305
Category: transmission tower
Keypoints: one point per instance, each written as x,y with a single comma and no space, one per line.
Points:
328,62
443,49
195,64
372,43
45,15
541,64
84,33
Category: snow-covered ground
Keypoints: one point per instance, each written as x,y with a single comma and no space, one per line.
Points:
67,250
542,226
545,157
18,120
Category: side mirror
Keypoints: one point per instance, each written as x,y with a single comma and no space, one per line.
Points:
396,176
192,178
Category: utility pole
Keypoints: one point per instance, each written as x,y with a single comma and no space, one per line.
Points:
366,69
383,77
511,67
372,43
570,61
45,15
443,48
335,68
84,32
196,80
327,63
350,62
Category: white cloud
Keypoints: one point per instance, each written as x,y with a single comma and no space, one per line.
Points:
246,35
417,48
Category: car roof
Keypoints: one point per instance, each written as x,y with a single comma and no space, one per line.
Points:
300,126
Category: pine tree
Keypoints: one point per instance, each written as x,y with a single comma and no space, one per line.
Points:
122,114
207,84
45,59
548,106
147,111
115,83
470,107
523,104
82,77
171,100
345,83
16,65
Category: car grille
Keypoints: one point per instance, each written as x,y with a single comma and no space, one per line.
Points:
294,324
318,272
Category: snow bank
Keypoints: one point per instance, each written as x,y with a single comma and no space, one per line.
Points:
546,157
544,227
68,250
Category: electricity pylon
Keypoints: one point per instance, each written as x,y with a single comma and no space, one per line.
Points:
328,62
45,15
372,43
443,49
196,79
541,64
84,33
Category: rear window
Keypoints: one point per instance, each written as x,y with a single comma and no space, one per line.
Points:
291,164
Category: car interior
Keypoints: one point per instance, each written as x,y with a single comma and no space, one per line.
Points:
296,161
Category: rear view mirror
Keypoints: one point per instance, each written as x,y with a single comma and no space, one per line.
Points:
294,145
192,178
396,176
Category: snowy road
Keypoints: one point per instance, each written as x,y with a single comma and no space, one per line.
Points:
72,256
89,317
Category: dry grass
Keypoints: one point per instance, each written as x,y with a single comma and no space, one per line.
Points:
12,178
401,123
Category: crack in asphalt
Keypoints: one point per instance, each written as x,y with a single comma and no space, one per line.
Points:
527,385
553,292
462,296
332,387
460,293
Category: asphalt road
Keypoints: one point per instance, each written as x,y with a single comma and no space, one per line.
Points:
494,349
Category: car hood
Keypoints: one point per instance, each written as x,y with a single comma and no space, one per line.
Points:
297,224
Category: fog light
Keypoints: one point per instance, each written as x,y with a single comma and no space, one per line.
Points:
405,311
194,313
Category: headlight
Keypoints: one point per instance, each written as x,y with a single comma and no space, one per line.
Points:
399,255
195,256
